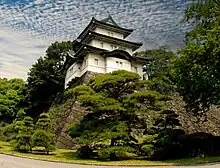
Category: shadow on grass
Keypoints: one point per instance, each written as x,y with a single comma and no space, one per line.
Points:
72,155
41,152
68,155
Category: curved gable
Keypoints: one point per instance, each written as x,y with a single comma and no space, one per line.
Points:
118,54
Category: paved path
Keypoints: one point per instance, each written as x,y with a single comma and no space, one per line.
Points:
16,162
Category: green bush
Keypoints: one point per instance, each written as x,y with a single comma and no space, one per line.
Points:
85,152
44,139
21,143
148,149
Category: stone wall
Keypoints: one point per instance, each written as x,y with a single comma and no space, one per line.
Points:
82,80
62,116
65,112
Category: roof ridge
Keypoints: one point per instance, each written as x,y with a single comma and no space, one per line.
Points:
109,20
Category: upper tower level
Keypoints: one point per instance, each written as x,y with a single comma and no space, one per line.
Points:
106,27
105,34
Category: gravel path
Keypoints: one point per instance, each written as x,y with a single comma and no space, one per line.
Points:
16,162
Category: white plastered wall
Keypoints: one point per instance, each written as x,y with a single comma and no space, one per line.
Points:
84,66
113,64
109,33
73,71
139,67
96,63
107,46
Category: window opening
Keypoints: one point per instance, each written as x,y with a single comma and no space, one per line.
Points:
96,61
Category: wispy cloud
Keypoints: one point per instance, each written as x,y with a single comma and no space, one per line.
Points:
28,26
17,52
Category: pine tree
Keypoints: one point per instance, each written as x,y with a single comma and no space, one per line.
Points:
22,140
42,136
43,122
11,130
115,103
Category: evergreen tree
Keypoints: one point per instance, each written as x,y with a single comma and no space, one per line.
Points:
159,69
22,140
161,137
43,122
10,131
46,78
20,115
115,103
42,137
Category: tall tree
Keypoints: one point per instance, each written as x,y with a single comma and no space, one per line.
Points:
115,102
46,77
198,69
159,68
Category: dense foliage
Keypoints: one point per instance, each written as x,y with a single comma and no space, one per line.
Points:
46,78
159,68
198,69
23,131
116,103
24,135
11,96
42,136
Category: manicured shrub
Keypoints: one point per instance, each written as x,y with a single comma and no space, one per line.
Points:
44,139
22,140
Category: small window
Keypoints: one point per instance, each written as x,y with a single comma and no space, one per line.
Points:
115,47
112,47
110,34
122,48
78,67
96,62
102,45
121,64
117,63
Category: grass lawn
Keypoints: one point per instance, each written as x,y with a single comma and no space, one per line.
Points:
69,156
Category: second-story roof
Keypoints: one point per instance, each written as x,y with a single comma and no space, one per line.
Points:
93,35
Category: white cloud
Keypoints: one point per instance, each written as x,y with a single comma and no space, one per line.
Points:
26,25
18,52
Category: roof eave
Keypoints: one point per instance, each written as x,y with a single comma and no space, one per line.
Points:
87,28
126,32
134,47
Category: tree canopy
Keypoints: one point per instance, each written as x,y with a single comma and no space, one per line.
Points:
11,96
115,103
46,77
198,69
159,68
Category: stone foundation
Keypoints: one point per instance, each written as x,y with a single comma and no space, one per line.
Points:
66,112
82,80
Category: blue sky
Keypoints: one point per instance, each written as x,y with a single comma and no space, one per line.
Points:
27,27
